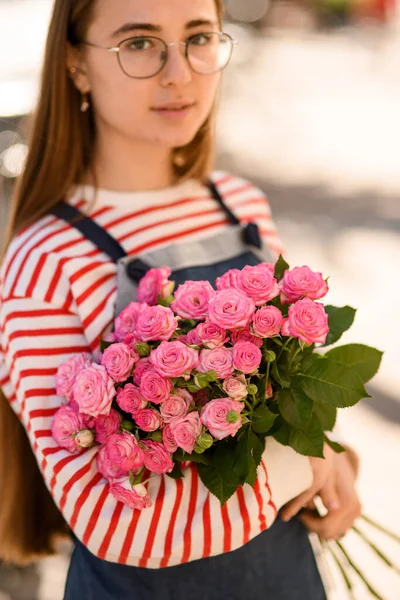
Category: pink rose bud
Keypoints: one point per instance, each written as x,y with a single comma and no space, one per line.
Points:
201,397
235,388
308,321
246,357
119,359
211,335
169,439
173,407
120,455
156,323
302,282
245,335
285,330
154,387
267,322
269,392
106,425
186,430
130,399
148,419
192,298
135,497
143,365
231,309
84,438
66,423
174,359
155,283
156,458
259,284
67,373
230,279
94,391
219,360
217,417
125,323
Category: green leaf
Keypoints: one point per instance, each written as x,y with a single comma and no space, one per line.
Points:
282,431
176,472
296,407
326,415
248,454
309,442
104,345
182,456
334,445
330,382
365,360
143,349
220,477
280,375
262,419
280,267
339,321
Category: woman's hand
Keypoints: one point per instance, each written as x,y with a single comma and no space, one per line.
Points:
334,482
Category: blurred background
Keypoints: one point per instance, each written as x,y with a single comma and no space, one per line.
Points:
310,112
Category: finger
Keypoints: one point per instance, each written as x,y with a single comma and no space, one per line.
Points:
294,506
329,495
326,527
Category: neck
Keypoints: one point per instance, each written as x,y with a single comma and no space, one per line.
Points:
121,165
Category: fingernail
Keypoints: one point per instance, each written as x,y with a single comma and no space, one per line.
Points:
286,518
333,505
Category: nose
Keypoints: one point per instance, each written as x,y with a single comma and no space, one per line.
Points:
177,70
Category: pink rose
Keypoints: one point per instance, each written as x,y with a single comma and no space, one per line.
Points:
142,365
192,298
235,387
66,423
187,396
219,360
106,425
120,455
154,387
135,497
155,283
186,430
192,339
308,321
125,323
230,279
259,284
216,417
211,335
67,373
231,309
156,458
119,359
174,359
156,323
285,331
130,399
301,281
246,357
94,391
245,335
148,419
173,407
169,439
267,322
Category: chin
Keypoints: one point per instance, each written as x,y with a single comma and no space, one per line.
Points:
176,139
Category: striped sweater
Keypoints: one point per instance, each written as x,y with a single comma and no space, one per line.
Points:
57,298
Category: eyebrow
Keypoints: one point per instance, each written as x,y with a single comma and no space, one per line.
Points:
130,27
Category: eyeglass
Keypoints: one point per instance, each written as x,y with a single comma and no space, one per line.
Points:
143,57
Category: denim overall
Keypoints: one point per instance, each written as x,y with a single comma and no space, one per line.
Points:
279,563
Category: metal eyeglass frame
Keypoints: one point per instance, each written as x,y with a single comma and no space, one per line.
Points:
117,50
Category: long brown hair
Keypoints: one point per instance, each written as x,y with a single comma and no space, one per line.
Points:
60,152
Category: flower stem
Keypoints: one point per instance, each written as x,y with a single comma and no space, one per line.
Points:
380,528
359,573
341,568
376,549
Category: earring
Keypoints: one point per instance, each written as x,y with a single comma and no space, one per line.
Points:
85,105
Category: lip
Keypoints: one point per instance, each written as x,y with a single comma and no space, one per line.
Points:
174,110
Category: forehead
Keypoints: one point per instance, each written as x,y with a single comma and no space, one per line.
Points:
168,14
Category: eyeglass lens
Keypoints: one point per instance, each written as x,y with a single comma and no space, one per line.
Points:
145,56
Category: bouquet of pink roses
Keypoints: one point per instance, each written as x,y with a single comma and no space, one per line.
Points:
203,375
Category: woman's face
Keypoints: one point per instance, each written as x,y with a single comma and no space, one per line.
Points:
137,109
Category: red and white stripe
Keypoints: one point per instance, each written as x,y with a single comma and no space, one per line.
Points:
58,295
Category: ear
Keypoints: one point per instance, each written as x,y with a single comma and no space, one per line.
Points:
76,67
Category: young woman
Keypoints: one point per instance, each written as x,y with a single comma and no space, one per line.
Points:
124,133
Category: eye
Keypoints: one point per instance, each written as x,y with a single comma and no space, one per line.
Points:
139,44
201,39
